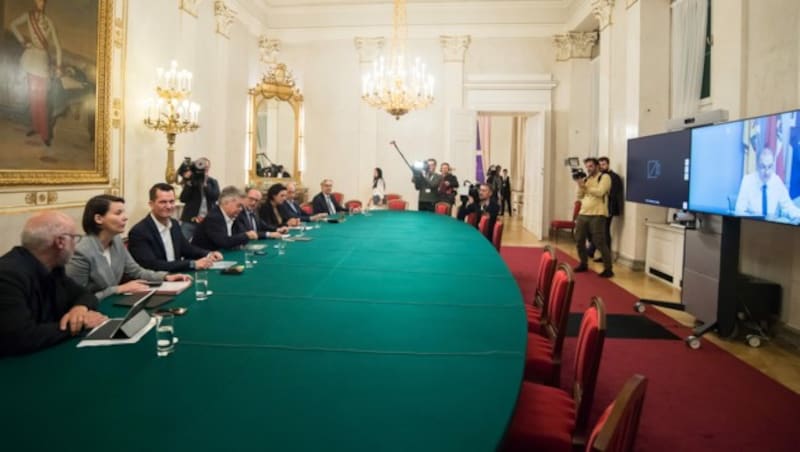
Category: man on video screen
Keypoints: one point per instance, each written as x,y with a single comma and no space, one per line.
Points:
763,193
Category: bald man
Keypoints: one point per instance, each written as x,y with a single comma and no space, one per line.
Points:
39,305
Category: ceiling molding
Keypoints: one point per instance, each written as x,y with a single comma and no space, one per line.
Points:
420,32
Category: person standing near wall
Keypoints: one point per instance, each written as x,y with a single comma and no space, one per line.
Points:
616,197
505,193
593,193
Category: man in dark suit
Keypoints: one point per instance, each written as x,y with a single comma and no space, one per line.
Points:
324,202
291,210
40,305
157,243
505,193
199,195
486,205
255,222
223,228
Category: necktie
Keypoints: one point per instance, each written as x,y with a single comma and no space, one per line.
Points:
764,200
252,220
292,206
331,208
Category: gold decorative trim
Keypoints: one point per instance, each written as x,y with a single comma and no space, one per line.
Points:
630,3
454,47
190,7
603,11
119,33
116,113
98,174
41,198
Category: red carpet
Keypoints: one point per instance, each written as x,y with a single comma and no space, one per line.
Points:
697,400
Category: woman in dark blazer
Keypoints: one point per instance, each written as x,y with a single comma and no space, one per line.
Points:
270,211
101,259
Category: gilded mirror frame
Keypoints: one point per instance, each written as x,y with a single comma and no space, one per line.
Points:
276,84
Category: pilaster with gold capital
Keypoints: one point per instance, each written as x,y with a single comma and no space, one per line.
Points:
602,10
225,16
369,48
455,47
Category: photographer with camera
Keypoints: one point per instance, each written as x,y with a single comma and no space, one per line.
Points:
427,182
485,205
200,193
593,192
448,185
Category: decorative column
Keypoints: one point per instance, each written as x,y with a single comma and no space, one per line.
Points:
225,17
368,51
454,49
602,11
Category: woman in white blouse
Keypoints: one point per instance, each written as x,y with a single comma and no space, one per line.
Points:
101,259
378,188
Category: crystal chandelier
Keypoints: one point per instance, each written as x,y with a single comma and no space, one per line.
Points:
392,86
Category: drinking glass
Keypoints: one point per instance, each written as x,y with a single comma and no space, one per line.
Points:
165,334
201,285
281,248
249,258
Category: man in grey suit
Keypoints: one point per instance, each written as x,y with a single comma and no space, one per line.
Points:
428,186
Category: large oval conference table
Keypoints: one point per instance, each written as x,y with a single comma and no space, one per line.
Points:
397,331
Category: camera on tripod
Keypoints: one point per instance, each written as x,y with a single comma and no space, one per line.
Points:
198,169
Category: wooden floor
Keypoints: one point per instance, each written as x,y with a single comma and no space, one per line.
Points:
782,363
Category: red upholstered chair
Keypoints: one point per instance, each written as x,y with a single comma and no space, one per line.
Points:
339,197
544,280
483,225
557,225
546,336
471,218
497,235
353,204
442,208
307,208
396,204
552,419
616,429
390,196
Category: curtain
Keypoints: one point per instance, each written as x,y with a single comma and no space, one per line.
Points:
689,18
483,148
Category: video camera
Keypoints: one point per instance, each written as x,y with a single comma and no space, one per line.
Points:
468,189
198,169
271,170
418,174
578,173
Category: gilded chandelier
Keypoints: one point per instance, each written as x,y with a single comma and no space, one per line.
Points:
392,86
172,112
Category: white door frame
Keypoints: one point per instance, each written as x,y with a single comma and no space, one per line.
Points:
527,95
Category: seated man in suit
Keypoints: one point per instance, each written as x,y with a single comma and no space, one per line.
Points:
223,228
324,202
291,210
486,205
40,305
256,222
157,242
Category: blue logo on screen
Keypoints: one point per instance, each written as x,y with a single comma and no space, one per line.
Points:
653,169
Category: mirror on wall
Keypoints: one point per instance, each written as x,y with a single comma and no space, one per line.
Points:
275,127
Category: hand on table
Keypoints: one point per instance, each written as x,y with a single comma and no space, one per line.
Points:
178,277
137,285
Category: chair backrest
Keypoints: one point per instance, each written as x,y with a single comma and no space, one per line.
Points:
555,321
442,208
307,208
396,204
470,218
544,279
588,352
339,197
576,209
483,225
390,196
497,235
352,204
616,429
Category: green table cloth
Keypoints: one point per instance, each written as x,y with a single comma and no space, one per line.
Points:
395,331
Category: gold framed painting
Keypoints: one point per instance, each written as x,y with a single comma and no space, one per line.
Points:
55,58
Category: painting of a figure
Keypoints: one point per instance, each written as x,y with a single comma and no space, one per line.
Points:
48,86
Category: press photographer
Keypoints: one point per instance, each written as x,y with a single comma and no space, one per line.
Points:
484,204
200,193
427,182
593,194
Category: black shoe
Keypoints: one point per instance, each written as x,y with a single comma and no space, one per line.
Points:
30,133
606,274
580,268
598,259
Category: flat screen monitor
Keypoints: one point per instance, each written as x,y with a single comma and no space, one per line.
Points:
658,169
748,168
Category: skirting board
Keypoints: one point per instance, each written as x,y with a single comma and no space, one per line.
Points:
787,336
635,265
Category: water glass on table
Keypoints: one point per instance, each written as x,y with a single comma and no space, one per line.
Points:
165,334
201,291
249,258
281,247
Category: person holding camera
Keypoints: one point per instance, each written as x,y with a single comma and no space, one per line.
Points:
428,185
593,190
448,185
485,205
200,193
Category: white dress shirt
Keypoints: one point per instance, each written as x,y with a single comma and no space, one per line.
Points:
228,222
166,237
779,204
